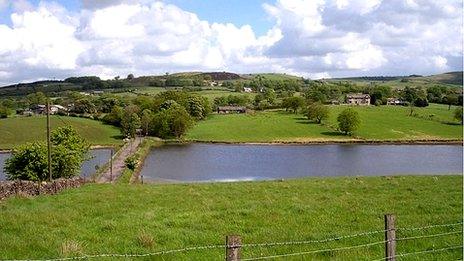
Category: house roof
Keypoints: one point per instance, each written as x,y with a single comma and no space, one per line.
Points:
357,96
231,108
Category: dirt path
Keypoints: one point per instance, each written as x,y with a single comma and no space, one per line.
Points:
118,162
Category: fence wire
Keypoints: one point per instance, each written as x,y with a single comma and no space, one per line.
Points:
425,252
315,251
430,226
287,243
428,236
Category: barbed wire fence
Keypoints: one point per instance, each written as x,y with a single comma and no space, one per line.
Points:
234,248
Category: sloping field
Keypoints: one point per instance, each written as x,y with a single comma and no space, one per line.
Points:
19,130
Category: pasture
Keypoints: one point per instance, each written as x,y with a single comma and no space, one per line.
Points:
382,123
19,130
119,218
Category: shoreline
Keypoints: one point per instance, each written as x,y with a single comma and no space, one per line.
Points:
93,147
329,142
313,142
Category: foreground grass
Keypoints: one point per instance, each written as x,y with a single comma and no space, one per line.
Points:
147,218
383,123
19,130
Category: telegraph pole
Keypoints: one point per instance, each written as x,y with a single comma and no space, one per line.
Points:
49,145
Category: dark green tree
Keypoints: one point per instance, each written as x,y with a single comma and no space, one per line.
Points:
293,103
348,121
29,161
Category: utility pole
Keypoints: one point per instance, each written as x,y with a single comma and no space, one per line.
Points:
49,145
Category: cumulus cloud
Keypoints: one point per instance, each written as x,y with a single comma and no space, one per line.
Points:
312,38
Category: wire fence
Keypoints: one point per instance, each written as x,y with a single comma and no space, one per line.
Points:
238,247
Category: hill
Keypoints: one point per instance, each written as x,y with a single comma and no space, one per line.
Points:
198,79
450,79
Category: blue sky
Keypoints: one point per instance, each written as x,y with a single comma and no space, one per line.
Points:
309,38
238,12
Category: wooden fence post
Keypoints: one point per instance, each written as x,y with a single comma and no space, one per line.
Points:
233,244
390,237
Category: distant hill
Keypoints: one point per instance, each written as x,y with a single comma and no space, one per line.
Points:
450,79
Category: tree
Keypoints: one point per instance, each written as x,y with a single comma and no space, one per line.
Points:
84,105
293,103
145,120
317,112
114,117
35,99
348,121
29,161
129,124
4,111
450,99
458,114
130,77
171,122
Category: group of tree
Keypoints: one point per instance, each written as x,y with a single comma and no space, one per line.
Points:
168,114
30,161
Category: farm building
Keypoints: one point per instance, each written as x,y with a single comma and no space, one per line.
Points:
42,109
247,89
395,101
358,99
231,109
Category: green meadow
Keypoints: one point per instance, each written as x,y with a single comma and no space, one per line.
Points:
138,219
382,123
19,130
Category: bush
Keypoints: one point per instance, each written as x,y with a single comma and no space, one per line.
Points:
348,121
458,114
30,161
421,102
131,163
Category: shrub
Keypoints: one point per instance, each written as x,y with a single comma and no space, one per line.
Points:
458,114
131,162
30,161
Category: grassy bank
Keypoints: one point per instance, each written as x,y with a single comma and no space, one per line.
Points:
147,218
19,130
383,123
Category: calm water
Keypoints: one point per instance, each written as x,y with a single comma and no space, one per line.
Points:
99,158
213,162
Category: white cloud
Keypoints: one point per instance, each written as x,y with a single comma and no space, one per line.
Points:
314,38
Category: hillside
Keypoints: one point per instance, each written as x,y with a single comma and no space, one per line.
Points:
16,131
450,79
198,79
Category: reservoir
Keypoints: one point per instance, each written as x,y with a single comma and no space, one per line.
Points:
99,157
222,162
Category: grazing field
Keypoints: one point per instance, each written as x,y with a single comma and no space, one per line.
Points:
19,130
393,123
270,126
384,123
119,219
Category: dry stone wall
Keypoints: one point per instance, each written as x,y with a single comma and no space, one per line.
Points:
30,188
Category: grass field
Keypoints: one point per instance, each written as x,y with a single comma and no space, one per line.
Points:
19,130
98,219
377,123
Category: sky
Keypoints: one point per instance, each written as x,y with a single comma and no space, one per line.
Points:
43,39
